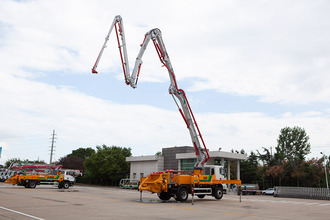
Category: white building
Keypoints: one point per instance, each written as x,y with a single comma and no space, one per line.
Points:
179,158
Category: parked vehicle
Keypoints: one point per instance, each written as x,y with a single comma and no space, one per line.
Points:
250,189
269,191
128,184
63,178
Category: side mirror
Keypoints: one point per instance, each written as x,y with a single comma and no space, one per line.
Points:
222,171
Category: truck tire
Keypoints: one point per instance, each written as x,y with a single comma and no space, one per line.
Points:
32,184
182,194
66,185
217,192
164,196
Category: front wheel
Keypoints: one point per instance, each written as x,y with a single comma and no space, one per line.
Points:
66,185
182,194
217,193
32,184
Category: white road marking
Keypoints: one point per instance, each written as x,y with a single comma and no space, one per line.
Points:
21,213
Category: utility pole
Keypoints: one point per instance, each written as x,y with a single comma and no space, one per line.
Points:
52,147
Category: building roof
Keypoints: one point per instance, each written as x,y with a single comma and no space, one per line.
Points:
214,154
143,158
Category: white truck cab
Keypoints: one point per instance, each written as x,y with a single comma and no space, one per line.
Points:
218,171
68,175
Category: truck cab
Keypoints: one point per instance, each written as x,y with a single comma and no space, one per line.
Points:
68,179
218,171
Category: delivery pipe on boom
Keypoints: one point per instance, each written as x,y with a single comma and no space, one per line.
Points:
156,37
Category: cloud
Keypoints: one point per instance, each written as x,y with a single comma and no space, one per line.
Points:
277,54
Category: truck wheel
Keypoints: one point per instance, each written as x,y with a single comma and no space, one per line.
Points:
66,185
32,184
217,193
60,186
182,194
164,196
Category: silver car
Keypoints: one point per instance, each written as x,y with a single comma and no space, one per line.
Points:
269,191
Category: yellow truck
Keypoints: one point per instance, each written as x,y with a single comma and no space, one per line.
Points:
206,181
64,179
170,183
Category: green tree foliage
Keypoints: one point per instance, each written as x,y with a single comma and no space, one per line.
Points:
292,145
288,165
108,165
82,152
267,158
249,169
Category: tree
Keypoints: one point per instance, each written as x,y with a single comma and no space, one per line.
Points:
292,145
82,152
277,171
72,162
262,174
267,158
108,165
249,169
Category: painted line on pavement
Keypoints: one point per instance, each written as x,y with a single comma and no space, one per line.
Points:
21,213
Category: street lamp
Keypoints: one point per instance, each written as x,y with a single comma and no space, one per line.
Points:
325,170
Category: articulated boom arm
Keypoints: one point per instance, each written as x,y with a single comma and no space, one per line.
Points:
177,94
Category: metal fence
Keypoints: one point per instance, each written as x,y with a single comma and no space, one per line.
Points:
302,192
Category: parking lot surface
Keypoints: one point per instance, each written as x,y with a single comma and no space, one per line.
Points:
92,202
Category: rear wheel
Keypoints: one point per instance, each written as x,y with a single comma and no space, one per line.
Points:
217,193
182,194
60,186
164,196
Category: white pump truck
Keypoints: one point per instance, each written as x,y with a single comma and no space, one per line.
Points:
204,180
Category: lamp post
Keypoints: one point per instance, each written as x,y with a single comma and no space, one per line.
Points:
325,170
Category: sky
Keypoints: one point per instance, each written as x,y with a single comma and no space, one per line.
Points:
249,69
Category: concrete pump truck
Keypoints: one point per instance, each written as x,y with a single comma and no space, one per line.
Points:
204,179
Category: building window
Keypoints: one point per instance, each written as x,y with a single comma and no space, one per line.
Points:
141,175
134,176
217,162
188,164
